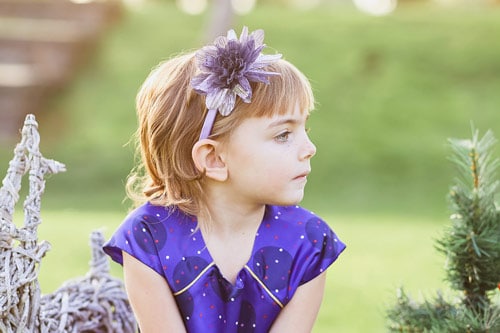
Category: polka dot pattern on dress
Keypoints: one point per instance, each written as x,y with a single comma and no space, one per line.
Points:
187,270
321,237
246,321
273,266
149,233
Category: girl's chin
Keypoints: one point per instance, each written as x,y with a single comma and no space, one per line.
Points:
290,201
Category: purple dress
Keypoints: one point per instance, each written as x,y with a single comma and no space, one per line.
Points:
292,246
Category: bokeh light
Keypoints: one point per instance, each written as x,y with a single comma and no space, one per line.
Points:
376,7
243,7
192,7
305,4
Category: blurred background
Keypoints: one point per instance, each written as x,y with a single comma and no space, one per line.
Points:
393,80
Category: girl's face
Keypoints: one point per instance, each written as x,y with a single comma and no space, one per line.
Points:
268,159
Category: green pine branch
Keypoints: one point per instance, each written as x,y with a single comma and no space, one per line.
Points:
472,248
472,244
409,316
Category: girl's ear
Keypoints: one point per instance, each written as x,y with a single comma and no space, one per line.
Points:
207,159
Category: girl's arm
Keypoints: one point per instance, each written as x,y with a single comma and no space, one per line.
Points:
300,313
151,298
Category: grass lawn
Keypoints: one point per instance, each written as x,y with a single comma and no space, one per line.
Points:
383,253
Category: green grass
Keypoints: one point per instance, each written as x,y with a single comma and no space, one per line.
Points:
383,253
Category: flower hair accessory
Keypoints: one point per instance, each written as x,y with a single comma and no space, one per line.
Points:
227,68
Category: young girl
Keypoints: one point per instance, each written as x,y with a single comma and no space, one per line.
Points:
219,243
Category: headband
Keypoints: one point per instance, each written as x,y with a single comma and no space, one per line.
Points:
227,68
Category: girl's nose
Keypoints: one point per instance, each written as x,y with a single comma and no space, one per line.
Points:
309,149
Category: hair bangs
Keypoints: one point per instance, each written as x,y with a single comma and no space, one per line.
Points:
278,97
282,93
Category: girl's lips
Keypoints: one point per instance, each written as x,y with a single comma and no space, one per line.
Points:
303,175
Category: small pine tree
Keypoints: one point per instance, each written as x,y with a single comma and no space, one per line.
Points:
472,248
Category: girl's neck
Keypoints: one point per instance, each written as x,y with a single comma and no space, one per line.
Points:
227,218
229,234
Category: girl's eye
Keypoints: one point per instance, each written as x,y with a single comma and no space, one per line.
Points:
283,137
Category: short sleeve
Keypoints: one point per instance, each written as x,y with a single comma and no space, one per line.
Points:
322,249
140,235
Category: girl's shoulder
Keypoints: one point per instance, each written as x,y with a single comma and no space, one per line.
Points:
150,215
144,233
293,244
292,216
290,226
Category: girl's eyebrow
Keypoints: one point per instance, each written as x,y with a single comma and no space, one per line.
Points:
285,121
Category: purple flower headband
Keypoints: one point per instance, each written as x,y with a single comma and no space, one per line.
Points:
227,68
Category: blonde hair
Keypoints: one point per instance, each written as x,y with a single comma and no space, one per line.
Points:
171,114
